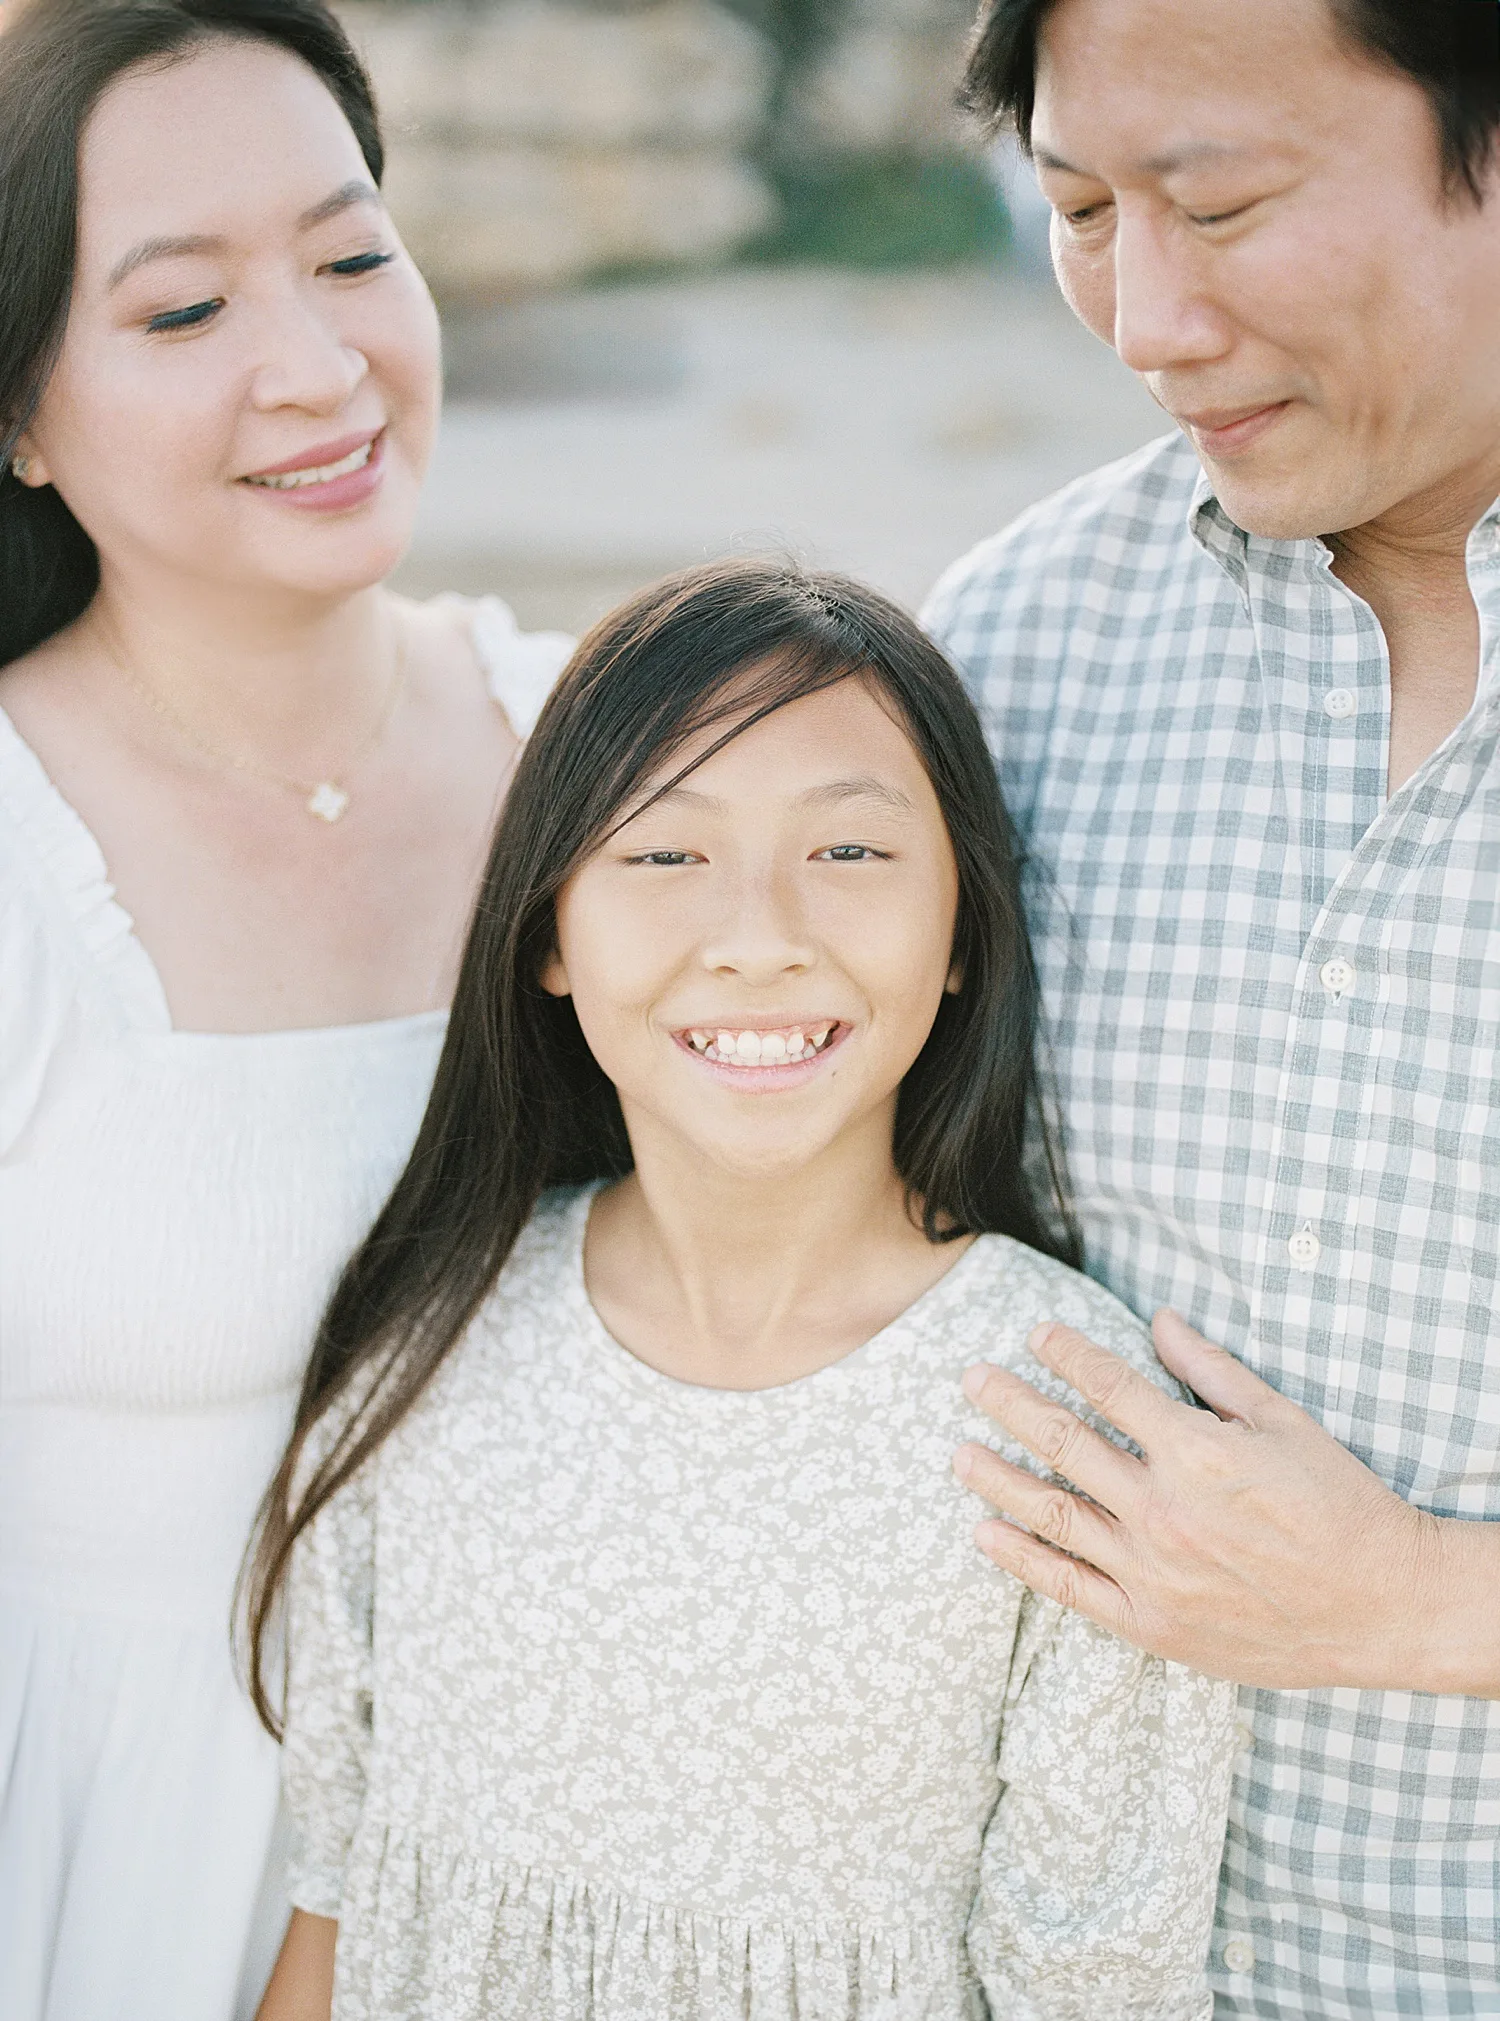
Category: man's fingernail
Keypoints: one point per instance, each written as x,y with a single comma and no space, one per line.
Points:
963,1463
974,1381
1037,1335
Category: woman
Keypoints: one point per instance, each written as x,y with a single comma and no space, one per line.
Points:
244,800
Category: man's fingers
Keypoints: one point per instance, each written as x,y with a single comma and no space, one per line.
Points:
1056,1576
1060,1440
1046,1509
1116,1390
1228,1388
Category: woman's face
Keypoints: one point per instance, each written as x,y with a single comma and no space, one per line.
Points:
243,316
757,959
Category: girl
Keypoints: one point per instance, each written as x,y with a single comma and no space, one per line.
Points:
244,800
641,1667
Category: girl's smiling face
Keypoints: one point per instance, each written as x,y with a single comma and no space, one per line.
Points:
242,315
756,959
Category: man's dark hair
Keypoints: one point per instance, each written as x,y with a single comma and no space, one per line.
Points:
1451,48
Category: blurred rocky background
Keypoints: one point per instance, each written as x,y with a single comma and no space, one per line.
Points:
722,275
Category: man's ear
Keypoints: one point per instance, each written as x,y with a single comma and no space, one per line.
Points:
554,977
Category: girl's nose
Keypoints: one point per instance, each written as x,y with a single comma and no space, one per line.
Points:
760,938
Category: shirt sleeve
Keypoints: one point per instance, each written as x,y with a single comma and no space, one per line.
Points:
1100,1864
329,1691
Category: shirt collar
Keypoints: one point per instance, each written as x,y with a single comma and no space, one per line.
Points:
1241,555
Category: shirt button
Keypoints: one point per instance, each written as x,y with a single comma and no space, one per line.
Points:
1340,703
1239,1954
1304,1248
1337,975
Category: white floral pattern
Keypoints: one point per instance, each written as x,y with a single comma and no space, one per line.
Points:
616,1699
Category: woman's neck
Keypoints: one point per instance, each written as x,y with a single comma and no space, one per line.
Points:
287,680
731,1281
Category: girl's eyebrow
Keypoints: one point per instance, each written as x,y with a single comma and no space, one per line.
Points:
837,793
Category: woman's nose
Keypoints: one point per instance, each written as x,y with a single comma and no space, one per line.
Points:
305,363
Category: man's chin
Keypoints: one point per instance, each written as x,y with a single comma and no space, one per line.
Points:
1279,505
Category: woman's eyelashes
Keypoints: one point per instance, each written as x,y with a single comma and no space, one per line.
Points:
190,318
194,315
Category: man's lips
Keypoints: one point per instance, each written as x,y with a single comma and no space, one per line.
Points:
1219,431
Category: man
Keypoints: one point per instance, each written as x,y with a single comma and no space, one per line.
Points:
1244,692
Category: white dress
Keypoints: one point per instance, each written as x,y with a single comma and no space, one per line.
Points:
173,1209
616,1699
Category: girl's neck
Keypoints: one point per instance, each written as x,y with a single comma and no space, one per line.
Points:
734,1282
287,679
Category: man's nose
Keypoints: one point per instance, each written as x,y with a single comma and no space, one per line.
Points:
1165,315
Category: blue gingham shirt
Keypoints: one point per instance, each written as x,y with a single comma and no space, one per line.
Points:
1274,999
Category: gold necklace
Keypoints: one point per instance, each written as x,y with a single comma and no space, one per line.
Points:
325,799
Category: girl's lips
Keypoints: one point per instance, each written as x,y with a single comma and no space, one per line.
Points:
295,486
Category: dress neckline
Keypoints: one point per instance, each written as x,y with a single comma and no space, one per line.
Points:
71,852
629,1370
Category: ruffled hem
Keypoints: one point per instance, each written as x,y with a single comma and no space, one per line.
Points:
430,1934
52,843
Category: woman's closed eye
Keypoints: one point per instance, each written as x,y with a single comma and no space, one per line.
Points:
356,264
193,317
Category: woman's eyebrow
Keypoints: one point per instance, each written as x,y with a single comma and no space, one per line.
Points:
184,245
162,249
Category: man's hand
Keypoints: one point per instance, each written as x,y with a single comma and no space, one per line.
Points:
1246,1542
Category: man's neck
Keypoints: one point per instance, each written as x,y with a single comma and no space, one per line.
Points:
1411,567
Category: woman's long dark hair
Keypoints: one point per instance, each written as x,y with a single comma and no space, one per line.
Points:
55,62
519,1103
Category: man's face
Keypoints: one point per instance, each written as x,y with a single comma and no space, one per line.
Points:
1252,210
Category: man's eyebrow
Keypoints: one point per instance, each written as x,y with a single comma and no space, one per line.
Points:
343,198
1192,154
184,246
162,249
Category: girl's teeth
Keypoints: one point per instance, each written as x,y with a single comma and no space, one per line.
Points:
759,1049
291,480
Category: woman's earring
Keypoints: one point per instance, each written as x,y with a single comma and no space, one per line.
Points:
21,465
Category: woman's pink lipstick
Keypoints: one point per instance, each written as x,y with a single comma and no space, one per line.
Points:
354,467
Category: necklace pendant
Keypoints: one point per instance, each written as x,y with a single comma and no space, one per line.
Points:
328,802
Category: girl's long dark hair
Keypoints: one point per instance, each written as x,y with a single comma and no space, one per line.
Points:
55,62
519,1104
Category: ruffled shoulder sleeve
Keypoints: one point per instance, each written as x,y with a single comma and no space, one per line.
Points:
69,959
522,667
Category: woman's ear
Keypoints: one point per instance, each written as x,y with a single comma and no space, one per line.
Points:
27,467
554,977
